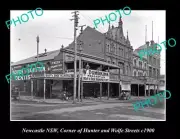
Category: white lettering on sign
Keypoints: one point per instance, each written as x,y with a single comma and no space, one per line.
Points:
56,62
60,65
60,75
94,75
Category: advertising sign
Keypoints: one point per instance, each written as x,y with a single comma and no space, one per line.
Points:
57,66
59,75
95,75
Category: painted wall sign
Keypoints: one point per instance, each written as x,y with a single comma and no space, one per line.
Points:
27,77
25,71
57,66
95,75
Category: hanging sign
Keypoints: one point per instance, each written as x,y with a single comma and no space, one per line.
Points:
95,75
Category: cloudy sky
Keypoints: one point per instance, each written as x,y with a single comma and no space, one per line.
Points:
55,28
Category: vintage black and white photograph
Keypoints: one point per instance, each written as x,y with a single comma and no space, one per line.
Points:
87,65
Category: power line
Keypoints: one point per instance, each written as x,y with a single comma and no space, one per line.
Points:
50,36
90,20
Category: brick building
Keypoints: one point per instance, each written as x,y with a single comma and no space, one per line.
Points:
146,72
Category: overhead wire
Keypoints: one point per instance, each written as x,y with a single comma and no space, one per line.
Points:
90,20
45,35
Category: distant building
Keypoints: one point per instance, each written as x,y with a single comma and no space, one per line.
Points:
162,83
146,72
140,72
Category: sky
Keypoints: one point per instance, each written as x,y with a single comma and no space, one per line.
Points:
55,29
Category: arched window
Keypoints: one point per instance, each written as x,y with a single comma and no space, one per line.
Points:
134,73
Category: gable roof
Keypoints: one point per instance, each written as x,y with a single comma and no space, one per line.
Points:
49,55
91,33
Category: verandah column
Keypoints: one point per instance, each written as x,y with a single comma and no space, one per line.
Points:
108,86
100,84
148,89
32,88
44,89
119,85
154,89
138,90
100,90
145,90
158,88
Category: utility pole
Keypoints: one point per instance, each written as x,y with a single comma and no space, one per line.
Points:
37,39
75,51
80,50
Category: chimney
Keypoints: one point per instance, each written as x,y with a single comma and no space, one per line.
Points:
147,43
45,50
62,46
152,42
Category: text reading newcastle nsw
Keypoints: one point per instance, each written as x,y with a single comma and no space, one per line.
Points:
112,16
23,18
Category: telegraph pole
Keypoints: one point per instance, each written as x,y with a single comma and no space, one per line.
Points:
75,51
80,50
37,39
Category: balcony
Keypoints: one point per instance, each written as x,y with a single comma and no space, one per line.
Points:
114,76
141,77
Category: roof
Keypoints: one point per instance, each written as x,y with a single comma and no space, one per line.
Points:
49,55
135,53
142,47
91,33
85,54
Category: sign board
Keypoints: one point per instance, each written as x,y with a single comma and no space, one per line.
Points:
95,75
57,66
70,57
59,75
26,77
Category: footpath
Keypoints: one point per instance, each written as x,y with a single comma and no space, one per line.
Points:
86,101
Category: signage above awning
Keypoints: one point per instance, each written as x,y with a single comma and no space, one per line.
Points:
56,66
95,75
